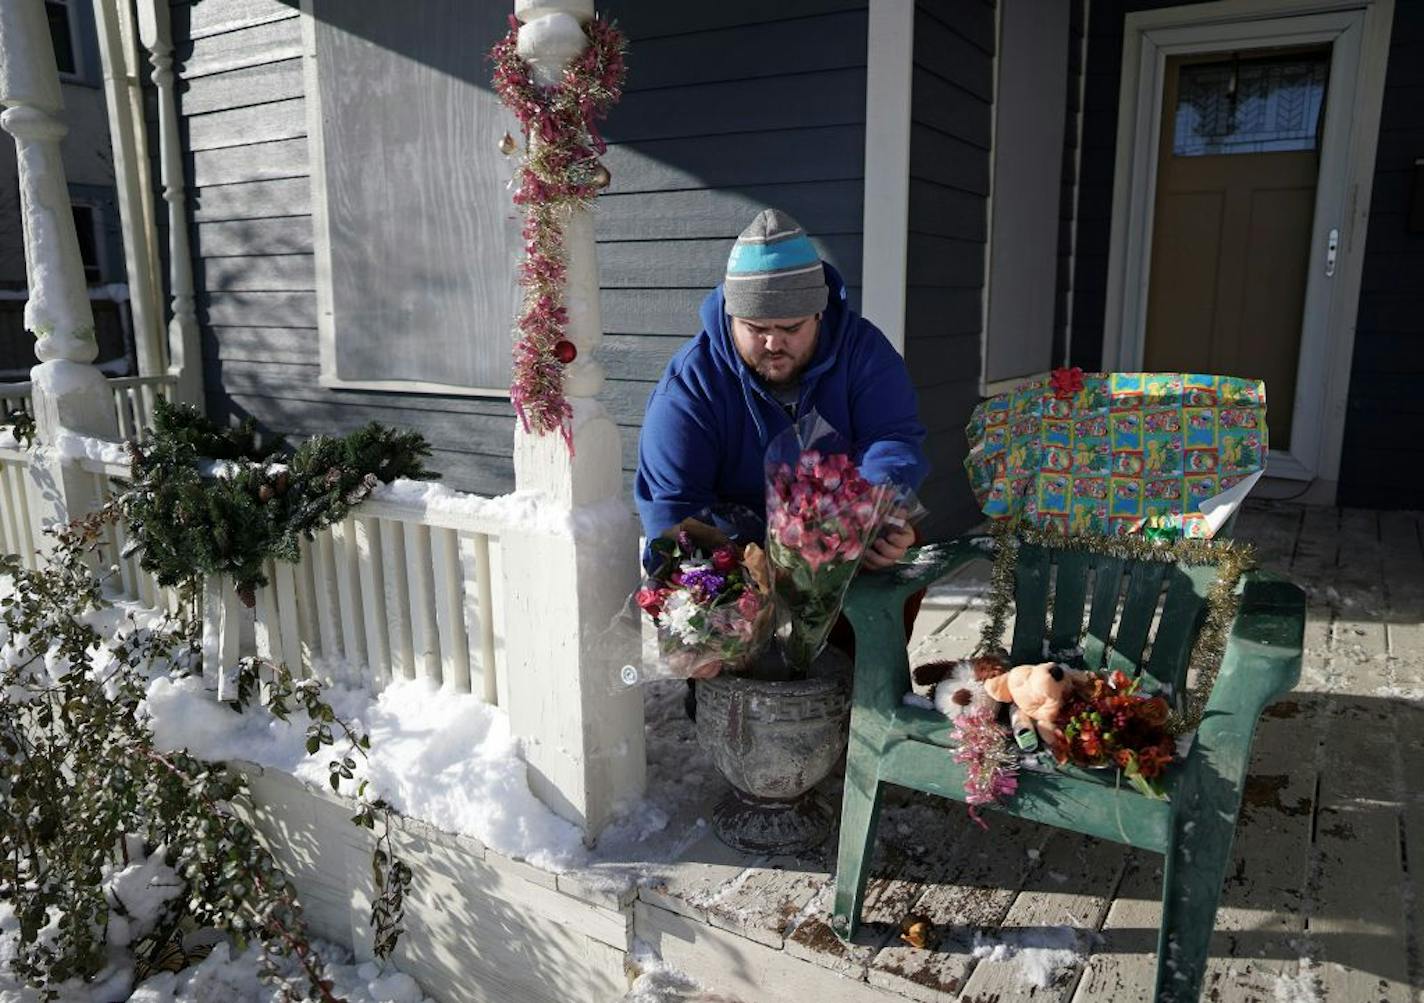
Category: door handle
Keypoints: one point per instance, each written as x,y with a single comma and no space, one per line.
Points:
1332,249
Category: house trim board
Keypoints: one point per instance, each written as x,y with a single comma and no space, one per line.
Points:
889,70
321,247
1362,29
1024,205
1079,119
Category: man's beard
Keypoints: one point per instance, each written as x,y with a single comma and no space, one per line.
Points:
763,371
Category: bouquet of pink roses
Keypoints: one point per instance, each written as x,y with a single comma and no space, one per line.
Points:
821,516
709,600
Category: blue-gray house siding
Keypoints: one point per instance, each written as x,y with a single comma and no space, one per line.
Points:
728,107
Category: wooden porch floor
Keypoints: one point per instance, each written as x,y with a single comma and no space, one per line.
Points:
1322,903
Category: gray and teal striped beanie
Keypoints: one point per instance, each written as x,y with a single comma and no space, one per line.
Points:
774,271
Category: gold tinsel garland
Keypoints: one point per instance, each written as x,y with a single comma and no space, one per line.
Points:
1231,559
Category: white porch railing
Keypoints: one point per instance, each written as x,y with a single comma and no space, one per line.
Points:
396,590
17,532
15,397
134,400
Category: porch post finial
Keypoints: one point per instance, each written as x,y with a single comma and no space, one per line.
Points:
582,730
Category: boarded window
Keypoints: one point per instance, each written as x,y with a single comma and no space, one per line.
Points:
423,239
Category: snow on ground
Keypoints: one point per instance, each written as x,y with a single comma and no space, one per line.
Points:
443,757
1041,954
451,760
219,976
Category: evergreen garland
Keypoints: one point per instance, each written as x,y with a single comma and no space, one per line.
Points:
1231,559
211,501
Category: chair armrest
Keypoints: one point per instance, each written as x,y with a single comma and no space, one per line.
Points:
1261,662
875,607
920,568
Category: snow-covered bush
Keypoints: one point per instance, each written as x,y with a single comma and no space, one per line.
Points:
91,807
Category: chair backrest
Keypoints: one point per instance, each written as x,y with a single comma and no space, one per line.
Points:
1138,616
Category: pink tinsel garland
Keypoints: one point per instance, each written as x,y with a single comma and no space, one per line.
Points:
560,170
990,768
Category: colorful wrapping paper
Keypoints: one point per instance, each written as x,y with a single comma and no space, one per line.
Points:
1119,449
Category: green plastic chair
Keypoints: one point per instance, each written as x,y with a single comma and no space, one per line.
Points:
891,743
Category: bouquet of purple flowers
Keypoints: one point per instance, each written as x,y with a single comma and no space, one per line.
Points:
709,601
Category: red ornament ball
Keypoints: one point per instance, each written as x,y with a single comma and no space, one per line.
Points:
565,352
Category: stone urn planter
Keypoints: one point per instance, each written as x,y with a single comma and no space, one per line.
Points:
775,740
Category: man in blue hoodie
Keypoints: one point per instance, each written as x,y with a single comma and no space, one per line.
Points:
778,340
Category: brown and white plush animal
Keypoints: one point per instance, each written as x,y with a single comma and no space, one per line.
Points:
1038,693
959,684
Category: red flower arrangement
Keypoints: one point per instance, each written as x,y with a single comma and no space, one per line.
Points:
1112,723
560,170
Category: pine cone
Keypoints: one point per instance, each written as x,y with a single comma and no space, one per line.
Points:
248,595
280,483
264,493
333,476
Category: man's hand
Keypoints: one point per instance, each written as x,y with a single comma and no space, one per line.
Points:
888,548
706,670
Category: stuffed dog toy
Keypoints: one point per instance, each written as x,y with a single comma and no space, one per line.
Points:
959,685
1038,693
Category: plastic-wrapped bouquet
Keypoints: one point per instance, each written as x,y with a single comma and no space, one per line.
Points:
821,516
709,600
1111,722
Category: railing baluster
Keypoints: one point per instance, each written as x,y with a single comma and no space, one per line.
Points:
419,571
496,618
284,590
348,584
397,594
450,611
373,600
268,625
474,549
308,621
328,604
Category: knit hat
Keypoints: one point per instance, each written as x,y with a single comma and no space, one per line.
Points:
773,270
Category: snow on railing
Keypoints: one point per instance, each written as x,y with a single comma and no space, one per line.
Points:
399,589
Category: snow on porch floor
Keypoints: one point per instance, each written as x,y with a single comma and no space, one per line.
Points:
1321,903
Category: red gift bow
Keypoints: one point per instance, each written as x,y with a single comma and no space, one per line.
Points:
1067,382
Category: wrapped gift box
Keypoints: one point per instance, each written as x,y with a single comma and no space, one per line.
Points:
1106,452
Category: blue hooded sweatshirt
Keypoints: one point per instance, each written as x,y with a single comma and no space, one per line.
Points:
709,419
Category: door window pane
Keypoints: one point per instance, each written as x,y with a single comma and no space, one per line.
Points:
1250,106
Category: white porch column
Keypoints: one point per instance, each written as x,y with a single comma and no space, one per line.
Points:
582,730
123,95
185,360
69,392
